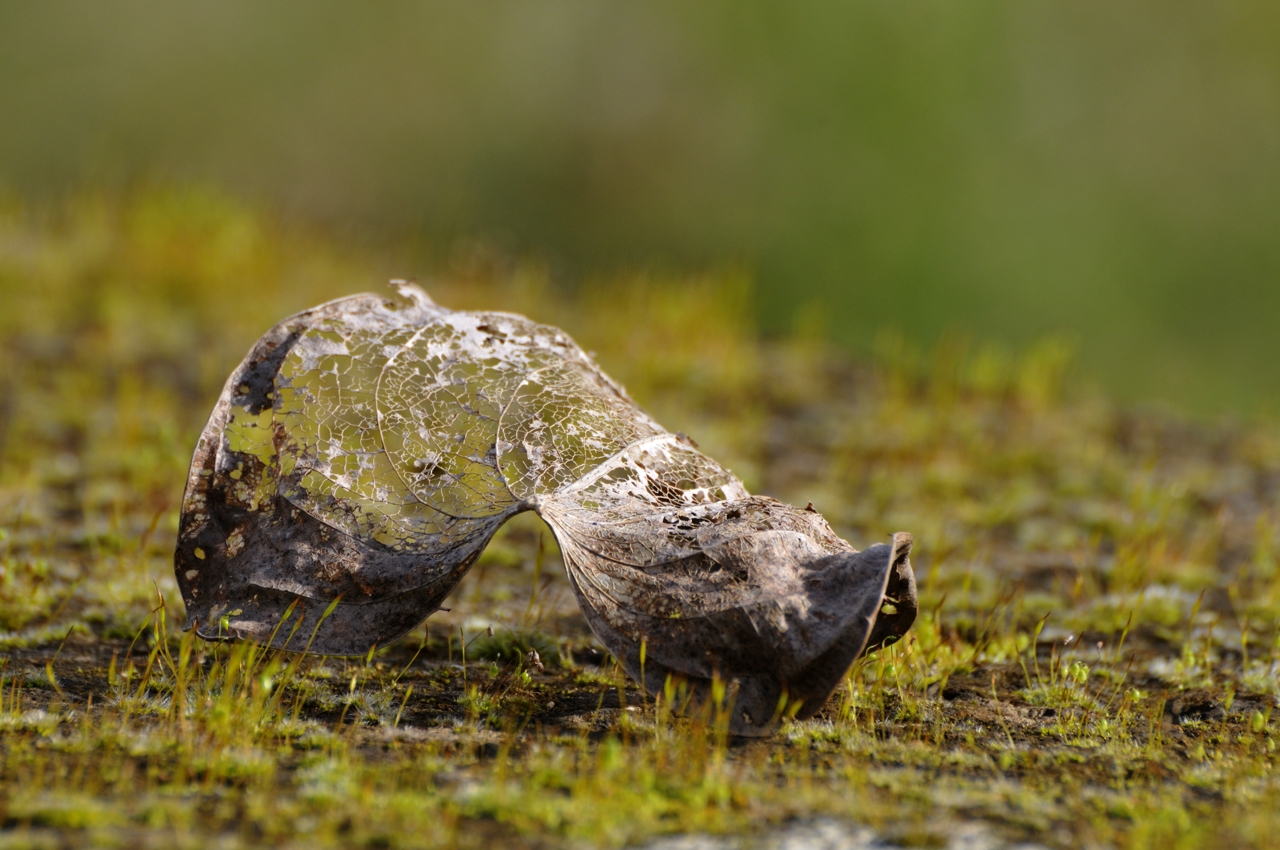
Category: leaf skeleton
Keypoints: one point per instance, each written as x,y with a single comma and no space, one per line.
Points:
365,451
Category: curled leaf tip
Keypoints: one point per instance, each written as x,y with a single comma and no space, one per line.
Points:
365,451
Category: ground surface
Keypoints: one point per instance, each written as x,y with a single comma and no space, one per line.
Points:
1097,661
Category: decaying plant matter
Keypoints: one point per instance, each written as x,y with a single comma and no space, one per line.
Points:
365,451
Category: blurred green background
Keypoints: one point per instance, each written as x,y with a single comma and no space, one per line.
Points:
1106,171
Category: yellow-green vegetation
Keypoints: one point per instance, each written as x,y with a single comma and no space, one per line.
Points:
1097,660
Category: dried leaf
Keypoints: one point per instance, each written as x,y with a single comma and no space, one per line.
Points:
365,452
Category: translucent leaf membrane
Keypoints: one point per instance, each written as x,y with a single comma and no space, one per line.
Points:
365,452
562,423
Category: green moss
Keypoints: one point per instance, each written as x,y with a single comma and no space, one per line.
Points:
510,646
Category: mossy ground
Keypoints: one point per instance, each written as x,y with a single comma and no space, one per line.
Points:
1097,661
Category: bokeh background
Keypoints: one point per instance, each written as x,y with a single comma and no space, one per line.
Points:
1106,172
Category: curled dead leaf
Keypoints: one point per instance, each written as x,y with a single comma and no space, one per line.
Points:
365,451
